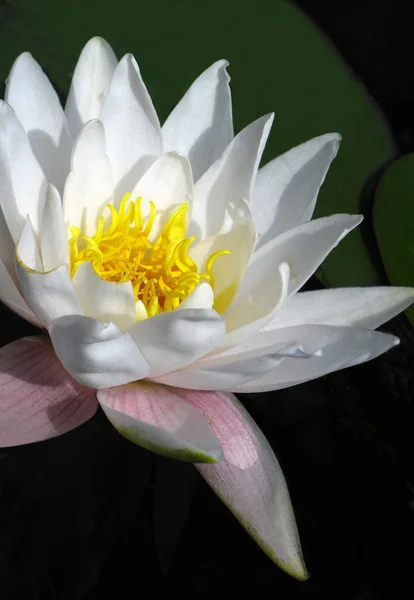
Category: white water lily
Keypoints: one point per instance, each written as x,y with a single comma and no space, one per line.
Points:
165,267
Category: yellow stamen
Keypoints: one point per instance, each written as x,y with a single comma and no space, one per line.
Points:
161,272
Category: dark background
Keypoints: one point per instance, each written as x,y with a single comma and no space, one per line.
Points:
77,513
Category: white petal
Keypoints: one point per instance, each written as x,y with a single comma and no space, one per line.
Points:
168,183
258,307
249,480
37,106
201,297
12,298
132,129
89,187
231,177
90,83
158,419
341,347
230,369
96,354
53,232
286,188
227,269
22,182
49,295
201,125
356,307
303,248
105,300
173,340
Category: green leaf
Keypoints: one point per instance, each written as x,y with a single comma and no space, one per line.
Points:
278,61
394,222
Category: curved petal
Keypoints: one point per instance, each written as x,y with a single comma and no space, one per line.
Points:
248,315
201,125
340,347
201,297
356,307
53,232
89,187
226,370
90,83
230,178
7,247
249,480
22,182
227,270
12,298
159,420
96,354
169,184
286,189
303,248
105,300
172,340
38,399
49,295
37,106
132,129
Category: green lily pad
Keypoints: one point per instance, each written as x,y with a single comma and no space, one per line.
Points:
278,59
394,222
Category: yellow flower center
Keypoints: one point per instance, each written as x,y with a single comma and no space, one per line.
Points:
162,273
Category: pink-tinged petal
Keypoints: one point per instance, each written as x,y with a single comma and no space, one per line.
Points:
158,419
249,480
38,399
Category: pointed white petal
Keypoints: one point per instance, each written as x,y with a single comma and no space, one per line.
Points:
37,106
90,83
89,187
132,129
53,232
201,125
286,188
230,178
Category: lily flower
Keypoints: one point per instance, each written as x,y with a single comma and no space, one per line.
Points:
164,266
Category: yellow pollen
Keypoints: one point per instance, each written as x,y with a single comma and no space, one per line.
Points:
162,273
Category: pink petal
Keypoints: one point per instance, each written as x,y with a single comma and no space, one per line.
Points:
249,480
155,417
38,398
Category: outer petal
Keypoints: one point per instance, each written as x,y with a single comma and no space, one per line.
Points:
96,354
132,129
53,232
89,187
286,188
22,182
90,83
7,247
157,419
201,125
230,178
49,295
173,340
201,297
12,298
168,183
38,399
303,248
37,106
229,369
356,307
249,480
105,300
341,347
